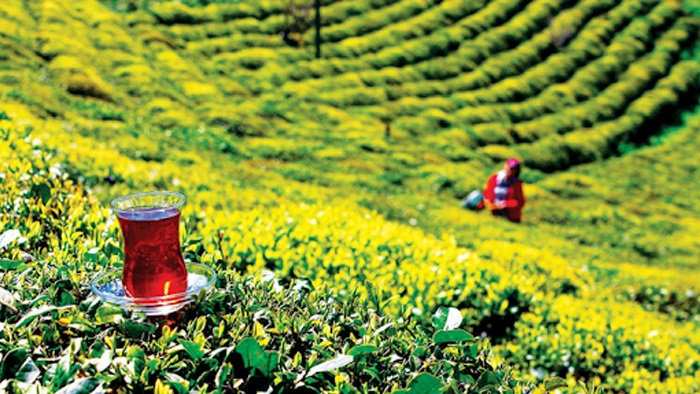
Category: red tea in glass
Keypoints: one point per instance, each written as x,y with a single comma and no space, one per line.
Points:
153,263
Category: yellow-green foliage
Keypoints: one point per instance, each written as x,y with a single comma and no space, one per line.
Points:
78,78
198,89
597,341
499,152
347,171
413,270
51,212
248,58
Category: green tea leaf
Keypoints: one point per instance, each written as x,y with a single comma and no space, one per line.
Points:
255,357
34,313
9,265
447,319
473,350
135,353
107,314
136,329
222,376
362,350
253,354
555,383
110,249
419,352
193,349
82,386
488,378
43,191
92,255
452,336
424,384
66,298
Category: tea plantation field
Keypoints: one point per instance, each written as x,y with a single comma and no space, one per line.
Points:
326,192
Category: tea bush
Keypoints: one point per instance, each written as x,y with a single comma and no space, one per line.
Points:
343,176
602,341
373,20
623,50
262,332
681,305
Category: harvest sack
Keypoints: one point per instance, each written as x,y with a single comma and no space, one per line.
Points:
474,201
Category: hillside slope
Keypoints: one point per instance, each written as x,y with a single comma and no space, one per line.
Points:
348,169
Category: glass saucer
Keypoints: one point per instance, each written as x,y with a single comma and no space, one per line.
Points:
108,286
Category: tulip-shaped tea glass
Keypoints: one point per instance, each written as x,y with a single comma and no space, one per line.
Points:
155,278
153,263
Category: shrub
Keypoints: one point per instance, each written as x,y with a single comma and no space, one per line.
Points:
176,13
297,332
682,305
600,343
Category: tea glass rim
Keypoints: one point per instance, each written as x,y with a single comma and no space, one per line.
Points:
176,204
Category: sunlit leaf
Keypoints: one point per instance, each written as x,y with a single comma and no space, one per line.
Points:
7,237
82,386
104,361
447,319
28,372
107,314
193,349
331,365
7,299
34,313
177,382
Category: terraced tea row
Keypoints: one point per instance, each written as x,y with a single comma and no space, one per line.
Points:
486,45
622,52
279,60
531,53
234,36
227,34
371,21
169,13
402,48
635,125
340,20
588,45
491,71
593,83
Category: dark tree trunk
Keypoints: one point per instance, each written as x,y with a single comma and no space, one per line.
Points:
318,28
